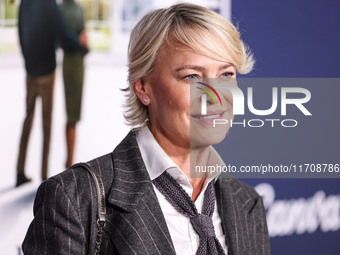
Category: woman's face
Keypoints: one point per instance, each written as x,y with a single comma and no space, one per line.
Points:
175,101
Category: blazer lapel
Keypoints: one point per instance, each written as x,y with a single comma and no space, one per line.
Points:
135,218
233,208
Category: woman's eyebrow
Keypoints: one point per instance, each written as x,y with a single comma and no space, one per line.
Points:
192,67
224,66
201,68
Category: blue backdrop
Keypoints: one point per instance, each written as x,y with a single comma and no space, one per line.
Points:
294,39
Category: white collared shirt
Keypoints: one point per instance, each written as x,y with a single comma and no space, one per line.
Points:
184,237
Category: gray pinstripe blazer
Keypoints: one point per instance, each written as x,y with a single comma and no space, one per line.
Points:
65,210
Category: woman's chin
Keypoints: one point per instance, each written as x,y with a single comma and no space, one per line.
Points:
202,137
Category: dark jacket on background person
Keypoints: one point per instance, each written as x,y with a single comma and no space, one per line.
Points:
65,211
41,24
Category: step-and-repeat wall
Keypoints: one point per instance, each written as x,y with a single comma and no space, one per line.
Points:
296,44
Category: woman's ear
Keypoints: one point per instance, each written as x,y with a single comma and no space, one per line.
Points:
141,91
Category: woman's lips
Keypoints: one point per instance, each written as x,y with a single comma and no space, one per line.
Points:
209,117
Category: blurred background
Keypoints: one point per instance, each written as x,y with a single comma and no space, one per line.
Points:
289,39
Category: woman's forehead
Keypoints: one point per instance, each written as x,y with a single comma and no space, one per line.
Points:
209,46
178,59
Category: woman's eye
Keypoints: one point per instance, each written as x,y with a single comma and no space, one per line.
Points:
191,77
228,74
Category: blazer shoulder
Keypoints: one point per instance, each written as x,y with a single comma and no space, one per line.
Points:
76,178
240,186
240,191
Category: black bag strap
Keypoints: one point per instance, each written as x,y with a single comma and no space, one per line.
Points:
101,202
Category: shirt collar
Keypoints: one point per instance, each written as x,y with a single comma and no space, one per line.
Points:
157,161
154,157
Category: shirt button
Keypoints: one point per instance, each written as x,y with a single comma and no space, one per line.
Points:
181,177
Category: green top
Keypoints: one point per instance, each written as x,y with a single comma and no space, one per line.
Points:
74,16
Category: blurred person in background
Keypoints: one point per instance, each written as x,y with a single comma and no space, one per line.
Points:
153,204
40,27
73,74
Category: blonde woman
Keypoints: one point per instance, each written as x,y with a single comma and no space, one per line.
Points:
153,205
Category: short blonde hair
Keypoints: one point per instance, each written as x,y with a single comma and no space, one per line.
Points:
187,25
